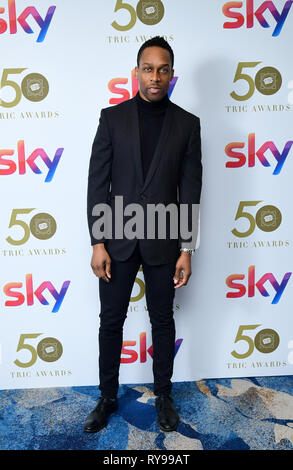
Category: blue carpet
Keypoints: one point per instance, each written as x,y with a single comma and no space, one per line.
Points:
220,414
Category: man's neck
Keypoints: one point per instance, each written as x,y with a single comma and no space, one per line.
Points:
152,104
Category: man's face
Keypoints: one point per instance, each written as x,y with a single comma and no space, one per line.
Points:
154,73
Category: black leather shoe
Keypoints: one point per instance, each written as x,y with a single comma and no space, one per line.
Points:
168,418
98,418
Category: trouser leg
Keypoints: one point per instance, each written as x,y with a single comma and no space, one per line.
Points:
114,298
160,293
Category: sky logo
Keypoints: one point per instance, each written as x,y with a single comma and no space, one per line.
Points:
125,94
241,288
22,20
240,158
133,355
258,13
20,298
10,166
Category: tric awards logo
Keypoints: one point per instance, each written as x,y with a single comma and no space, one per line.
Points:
48,349
268,218
266,341
34,87
42,226
148,12
267,81
14,19
250,12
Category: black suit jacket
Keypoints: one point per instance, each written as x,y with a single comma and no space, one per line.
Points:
115,169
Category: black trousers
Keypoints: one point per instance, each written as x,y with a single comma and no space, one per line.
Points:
114,298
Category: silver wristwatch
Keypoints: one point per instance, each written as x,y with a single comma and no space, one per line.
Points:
188,250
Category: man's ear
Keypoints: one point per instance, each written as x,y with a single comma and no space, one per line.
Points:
172,75
136,71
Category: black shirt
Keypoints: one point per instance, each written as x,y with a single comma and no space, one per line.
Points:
151,117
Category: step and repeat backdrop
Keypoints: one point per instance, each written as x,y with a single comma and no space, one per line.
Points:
62,61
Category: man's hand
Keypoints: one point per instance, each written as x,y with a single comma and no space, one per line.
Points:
183,270
101,262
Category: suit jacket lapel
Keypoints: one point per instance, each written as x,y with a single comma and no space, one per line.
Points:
165,132
135,137
135,134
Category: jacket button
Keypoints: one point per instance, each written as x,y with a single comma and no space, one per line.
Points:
142,196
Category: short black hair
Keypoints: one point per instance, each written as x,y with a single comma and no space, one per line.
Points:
158,41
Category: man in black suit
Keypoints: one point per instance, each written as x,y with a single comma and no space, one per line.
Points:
146,151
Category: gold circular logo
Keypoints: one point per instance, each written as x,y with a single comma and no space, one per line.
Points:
151,12
268,218
35,87
49,349
141,285
266,341
268,80
43,226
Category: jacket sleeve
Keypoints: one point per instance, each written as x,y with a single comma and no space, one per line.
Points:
190,183
99,175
